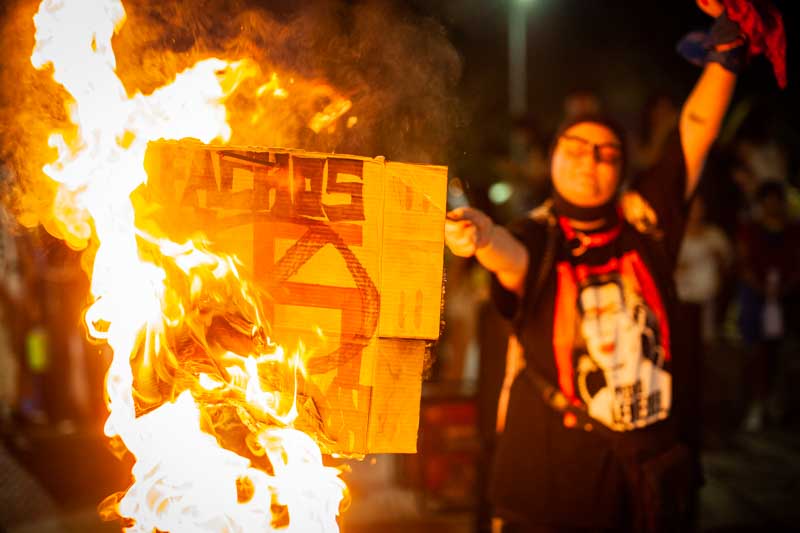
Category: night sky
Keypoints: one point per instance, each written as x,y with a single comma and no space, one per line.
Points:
597,44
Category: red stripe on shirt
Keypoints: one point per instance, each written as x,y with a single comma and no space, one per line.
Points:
564,326
633,265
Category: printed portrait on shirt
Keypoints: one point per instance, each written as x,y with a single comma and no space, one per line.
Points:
616,355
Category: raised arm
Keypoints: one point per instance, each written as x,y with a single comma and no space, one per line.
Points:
701,118
705,109
469,232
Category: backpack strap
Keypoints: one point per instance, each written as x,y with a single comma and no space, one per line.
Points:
558,402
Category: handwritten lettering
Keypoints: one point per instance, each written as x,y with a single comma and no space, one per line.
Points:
284,186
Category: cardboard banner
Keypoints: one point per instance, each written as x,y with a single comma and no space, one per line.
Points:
350,250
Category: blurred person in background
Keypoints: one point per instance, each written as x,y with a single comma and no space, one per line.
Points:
703,262
10,300
24,504
582,102
9,374
659,121
466,289
768,252
64,285
33,405
9,371
759,156
623,466
526,167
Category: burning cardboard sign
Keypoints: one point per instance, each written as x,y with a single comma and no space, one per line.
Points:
347,253
262,306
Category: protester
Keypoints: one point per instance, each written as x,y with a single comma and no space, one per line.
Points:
592,437
10,298
769,255
8,373
581,102
704,259
525,166
659,121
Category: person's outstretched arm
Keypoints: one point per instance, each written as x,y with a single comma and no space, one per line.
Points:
469,232
702,117
705,109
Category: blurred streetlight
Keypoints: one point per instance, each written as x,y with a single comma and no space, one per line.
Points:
517,59
500,192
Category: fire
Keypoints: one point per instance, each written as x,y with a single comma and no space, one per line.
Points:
197,390
329,115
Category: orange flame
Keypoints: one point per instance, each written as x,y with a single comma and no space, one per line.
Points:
197,391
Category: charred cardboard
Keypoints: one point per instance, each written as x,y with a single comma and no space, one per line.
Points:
349,248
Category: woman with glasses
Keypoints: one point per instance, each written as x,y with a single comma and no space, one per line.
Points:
592,438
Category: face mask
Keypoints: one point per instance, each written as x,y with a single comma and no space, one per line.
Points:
606,211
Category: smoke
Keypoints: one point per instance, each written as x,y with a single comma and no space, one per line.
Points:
31,106
398,71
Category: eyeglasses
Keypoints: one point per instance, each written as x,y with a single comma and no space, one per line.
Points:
577,147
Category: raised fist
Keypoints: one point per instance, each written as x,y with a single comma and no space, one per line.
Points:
714,8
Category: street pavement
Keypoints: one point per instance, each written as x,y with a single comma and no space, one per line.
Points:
753,484
52,482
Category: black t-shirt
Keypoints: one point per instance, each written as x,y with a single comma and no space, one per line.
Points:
602,330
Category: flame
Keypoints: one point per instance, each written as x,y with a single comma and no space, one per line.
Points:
273,87
334,105
197,391
328,116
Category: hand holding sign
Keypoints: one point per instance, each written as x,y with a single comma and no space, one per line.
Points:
466,230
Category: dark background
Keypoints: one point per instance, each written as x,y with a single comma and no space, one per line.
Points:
447,54
622,50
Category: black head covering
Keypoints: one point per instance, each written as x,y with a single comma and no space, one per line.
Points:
605,211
